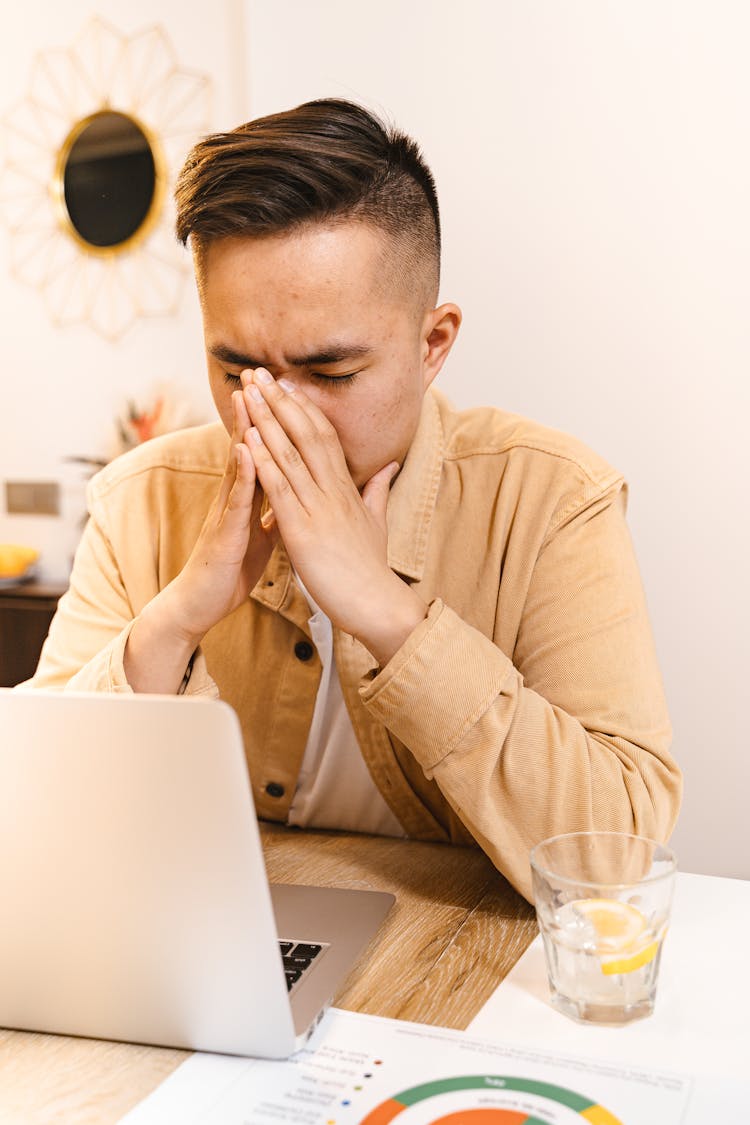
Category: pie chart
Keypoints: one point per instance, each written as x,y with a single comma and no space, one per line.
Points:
488,1099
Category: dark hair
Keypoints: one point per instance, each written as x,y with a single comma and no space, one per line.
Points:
324,161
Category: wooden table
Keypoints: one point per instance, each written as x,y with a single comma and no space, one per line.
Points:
456,930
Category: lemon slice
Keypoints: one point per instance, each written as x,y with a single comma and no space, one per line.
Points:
621,931
613,965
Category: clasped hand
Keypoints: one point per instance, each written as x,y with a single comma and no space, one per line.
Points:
336,538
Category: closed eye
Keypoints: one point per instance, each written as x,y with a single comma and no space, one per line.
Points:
235,382
333,380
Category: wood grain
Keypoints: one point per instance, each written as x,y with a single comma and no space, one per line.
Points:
455,931
49,1079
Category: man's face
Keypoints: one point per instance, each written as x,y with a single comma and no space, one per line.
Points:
317,307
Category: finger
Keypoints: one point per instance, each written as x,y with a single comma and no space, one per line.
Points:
289,421
295,400
241,418
290,454
298,397
245,479
236,517
265,382
284,502
377,490
239,414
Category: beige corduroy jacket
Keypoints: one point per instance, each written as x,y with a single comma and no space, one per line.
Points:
529,702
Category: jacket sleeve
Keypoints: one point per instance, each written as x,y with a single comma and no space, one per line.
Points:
85,647
570,732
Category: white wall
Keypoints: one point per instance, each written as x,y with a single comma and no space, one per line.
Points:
594,173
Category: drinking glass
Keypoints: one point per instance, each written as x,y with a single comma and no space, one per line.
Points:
603,902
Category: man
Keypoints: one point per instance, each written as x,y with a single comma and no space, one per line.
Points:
430,624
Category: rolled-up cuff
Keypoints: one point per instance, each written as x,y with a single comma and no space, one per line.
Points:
106,672
438,684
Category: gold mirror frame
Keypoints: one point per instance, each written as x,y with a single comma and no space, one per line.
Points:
157,198
104,70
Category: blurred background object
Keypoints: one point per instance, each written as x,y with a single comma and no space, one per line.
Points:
16,562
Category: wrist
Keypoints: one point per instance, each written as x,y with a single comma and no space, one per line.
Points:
157,657
391,619
170,615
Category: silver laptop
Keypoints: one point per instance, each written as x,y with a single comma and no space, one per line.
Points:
133,893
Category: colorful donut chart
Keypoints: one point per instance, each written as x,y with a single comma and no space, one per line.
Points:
488,1115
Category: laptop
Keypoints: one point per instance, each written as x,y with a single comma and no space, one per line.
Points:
134,897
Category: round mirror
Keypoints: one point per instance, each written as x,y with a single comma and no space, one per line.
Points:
110,181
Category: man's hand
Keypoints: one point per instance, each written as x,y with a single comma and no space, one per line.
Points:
233,547
336,539
228,559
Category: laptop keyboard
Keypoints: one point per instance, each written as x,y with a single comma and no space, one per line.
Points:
297,956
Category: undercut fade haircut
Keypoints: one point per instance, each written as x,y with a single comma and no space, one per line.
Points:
327,161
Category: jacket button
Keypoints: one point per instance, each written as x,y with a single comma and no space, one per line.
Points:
303,650
273,789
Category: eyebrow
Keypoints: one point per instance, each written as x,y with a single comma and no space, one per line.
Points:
330,354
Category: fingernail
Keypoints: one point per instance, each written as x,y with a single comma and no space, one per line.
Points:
254,393
288,387
263,376
255,436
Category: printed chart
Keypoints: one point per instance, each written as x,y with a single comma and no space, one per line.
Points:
363,1070
488,1100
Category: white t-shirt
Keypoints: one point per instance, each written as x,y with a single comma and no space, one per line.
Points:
335,789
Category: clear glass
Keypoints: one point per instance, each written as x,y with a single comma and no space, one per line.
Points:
603,902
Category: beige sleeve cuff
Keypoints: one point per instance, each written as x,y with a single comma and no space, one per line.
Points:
438,684
106,671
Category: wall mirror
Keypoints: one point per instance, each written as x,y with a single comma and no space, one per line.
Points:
110,179
91,154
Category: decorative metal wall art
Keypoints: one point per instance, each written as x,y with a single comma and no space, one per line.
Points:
90,156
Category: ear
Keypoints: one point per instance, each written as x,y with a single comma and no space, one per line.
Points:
439,330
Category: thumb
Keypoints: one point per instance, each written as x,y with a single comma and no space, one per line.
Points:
375,492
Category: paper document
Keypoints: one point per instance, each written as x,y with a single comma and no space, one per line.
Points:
364,1070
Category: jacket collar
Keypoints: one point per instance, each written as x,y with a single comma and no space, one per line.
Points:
414,494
